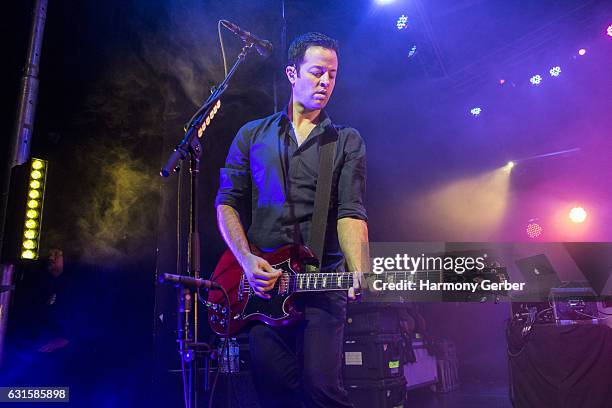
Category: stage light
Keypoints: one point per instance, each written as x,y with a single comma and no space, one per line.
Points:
28,254
402,22
476,111
31,224
609,30
535,80
581,51
412,51
502,81
508,167
577,215
33,213
383,2
534,230
209,118
555,71
29,244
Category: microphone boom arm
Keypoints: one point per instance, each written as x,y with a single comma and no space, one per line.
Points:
190,140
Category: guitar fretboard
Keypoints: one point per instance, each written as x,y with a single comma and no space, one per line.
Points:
323,281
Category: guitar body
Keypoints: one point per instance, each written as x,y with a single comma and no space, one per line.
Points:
245,307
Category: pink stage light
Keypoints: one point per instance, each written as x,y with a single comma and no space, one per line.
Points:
609,30
577,215
534,230
581,51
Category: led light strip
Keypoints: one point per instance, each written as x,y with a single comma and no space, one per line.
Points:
34,207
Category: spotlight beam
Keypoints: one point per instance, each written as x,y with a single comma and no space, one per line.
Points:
539,156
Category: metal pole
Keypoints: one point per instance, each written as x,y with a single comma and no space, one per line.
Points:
29,88
20,145
6,284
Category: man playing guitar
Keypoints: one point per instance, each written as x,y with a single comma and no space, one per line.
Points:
273,164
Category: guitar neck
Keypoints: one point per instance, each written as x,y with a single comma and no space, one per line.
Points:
322,281
328,281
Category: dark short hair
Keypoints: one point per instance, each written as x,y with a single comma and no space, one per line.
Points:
300,44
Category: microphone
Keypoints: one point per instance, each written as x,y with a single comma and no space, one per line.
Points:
188,281
263,47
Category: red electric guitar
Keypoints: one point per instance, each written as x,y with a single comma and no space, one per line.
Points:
245,307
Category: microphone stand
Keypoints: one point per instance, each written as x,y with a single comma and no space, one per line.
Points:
190,146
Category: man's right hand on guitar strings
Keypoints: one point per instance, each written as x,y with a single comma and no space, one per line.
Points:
260,274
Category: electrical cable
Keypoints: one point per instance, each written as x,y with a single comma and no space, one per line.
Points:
604,313
222,47
593,317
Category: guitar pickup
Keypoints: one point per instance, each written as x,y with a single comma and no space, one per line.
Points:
241,289
283,284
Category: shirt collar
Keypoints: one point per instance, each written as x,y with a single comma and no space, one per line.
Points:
324,121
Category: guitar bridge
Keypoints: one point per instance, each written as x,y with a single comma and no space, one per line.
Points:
241,288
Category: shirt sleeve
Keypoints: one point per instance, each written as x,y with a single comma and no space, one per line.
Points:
235,176
352,180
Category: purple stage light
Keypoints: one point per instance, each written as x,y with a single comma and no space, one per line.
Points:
581,51
475,111
555,71
402,22
535,80
609,30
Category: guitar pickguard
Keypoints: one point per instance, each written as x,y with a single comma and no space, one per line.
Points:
273,308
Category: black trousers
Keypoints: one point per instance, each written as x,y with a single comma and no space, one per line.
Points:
301,365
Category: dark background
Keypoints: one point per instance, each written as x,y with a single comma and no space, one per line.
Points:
118,79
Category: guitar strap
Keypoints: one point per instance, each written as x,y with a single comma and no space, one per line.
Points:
327,142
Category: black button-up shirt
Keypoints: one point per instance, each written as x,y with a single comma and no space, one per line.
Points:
266,165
